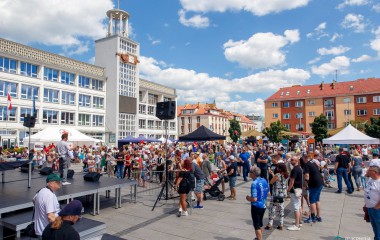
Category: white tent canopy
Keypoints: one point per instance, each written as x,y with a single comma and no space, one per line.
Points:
350,135
53,135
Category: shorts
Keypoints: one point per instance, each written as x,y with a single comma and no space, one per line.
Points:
257,215
183,189
305,192
296,202
314,194
199,185
240,164
232,181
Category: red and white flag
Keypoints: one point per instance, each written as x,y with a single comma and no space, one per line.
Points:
9,101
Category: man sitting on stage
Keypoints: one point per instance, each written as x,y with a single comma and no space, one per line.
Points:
63,151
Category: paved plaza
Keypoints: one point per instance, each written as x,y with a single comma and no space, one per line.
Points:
342,217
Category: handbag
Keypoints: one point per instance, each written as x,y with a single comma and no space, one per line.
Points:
366,215
226,179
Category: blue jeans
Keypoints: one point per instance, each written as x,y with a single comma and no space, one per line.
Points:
342,172
364,182
119,169
374,217
245,170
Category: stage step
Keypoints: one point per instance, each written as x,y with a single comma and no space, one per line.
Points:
111,237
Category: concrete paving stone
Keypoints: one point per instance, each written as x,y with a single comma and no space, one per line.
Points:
146,233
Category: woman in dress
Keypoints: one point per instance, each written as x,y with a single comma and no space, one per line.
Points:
183,185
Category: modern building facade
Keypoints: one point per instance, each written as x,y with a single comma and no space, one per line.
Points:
297,106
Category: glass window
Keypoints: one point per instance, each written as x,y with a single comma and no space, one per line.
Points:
347,112
27,92
8,115
142,109
311,102
286,116
84,100
142,123
376,98
300,127
275,104
68,98
329,103
150,110
127,80
166,99
50,74
172,126
8,65
286,104
84,82
97,121
67,78
50,116
140,96
299,115
25,112
275,115
329,114
330,125
28,69
51,95
158,125
97,102
67,118
287,126
376,111
299,103
152,99
150,124
361,99
97,84
362,112
84,119
8,86
311,114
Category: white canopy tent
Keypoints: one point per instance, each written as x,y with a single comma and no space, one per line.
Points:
350,135
53,135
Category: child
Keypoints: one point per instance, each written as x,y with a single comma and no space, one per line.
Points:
91,163
363,177
144,174
97,161
326,176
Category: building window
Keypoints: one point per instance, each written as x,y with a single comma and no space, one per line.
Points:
376,111
50,116
84,119
83,82
50,74
299,115
376,98
275,115
8,115
127,125
182,121
362,112
361,99
150,124
140,96
67,118
198,119
287,126
329,114
286,116
51,95
158,125
189,119
300,127
152,99
331,125
347,112
311,102
150,110
299,104
329,103
67,78
311,114
182,129
166,99
68,98
8,65
98,102
97,121
127,80
27,92
142,123
28,69
84,100
286,104
128,46
275,104
142,109
172,126
25,112
97,84
8,86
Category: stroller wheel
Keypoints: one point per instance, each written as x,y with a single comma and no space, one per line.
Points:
221,197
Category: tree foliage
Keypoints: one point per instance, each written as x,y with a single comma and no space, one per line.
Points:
274,130
319,127
234,130
373,129
359,124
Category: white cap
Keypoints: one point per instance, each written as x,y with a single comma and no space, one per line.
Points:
231,157
375,163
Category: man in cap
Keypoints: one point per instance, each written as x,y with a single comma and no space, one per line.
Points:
46,205
61,228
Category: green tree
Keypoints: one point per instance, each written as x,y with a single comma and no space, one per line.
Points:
373,129
234,130
274,130
319,127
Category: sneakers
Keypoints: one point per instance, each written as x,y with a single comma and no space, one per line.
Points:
319,219
184,213
179,212
309,220
294,223
293,228
199,207
338,191
66,183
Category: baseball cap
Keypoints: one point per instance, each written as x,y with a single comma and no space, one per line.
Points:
74,208
53,177
375,163
232,157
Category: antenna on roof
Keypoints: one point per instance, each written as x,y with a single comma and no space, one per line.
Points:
336,75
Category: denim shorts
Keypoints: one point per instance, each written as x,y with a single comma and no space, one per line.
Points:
232,181
199,185
314,194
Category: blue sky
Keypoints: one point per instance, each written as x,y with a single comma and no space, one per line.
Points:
237,52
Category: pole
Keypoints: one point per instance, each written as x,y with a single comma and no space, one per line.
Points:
166,161
30,164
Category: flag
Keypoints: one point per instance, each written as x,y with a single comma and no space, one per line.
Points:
9,101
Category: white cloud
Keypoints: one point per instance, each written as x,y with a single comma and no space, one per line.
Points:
333,51
70,50
91,60
261,50
318,32
354,21
196,21
315,60
60,22
237,96
362,58
335,37
153,40
352,3
192,86
375,43
376,7
244,107
257,7
340,63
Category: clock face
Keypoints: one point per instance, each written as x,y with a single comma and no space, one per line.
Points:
131,59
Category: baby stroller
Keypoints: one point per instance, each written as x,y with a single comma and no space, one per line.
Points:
214,190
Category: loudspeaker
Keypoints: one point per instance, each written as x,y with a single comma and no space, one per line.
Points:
92,177
166,110
25,168
46,171
29,121
70,173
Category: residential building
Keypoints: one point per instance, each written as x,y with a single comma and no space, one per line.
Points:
258,120
297,106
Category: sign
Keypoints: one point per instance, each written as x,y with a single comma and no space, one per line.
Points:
38,146
112,138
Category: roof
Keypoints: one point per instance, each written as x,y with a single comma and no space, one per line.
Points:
350,135
357,87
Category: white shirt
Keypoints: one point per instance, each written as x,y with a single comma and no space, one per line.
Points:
45,202
372,193
364,151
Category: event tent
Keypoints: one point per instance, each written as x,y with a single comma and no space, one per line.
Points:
350,135
53,135
251,133
202,134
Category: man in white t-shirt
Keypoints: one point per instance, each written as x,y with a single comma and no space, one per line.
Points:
372,196
46,205
364,151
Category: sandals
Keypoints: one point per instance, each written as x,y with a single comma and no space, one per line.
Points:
279,227
268,227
